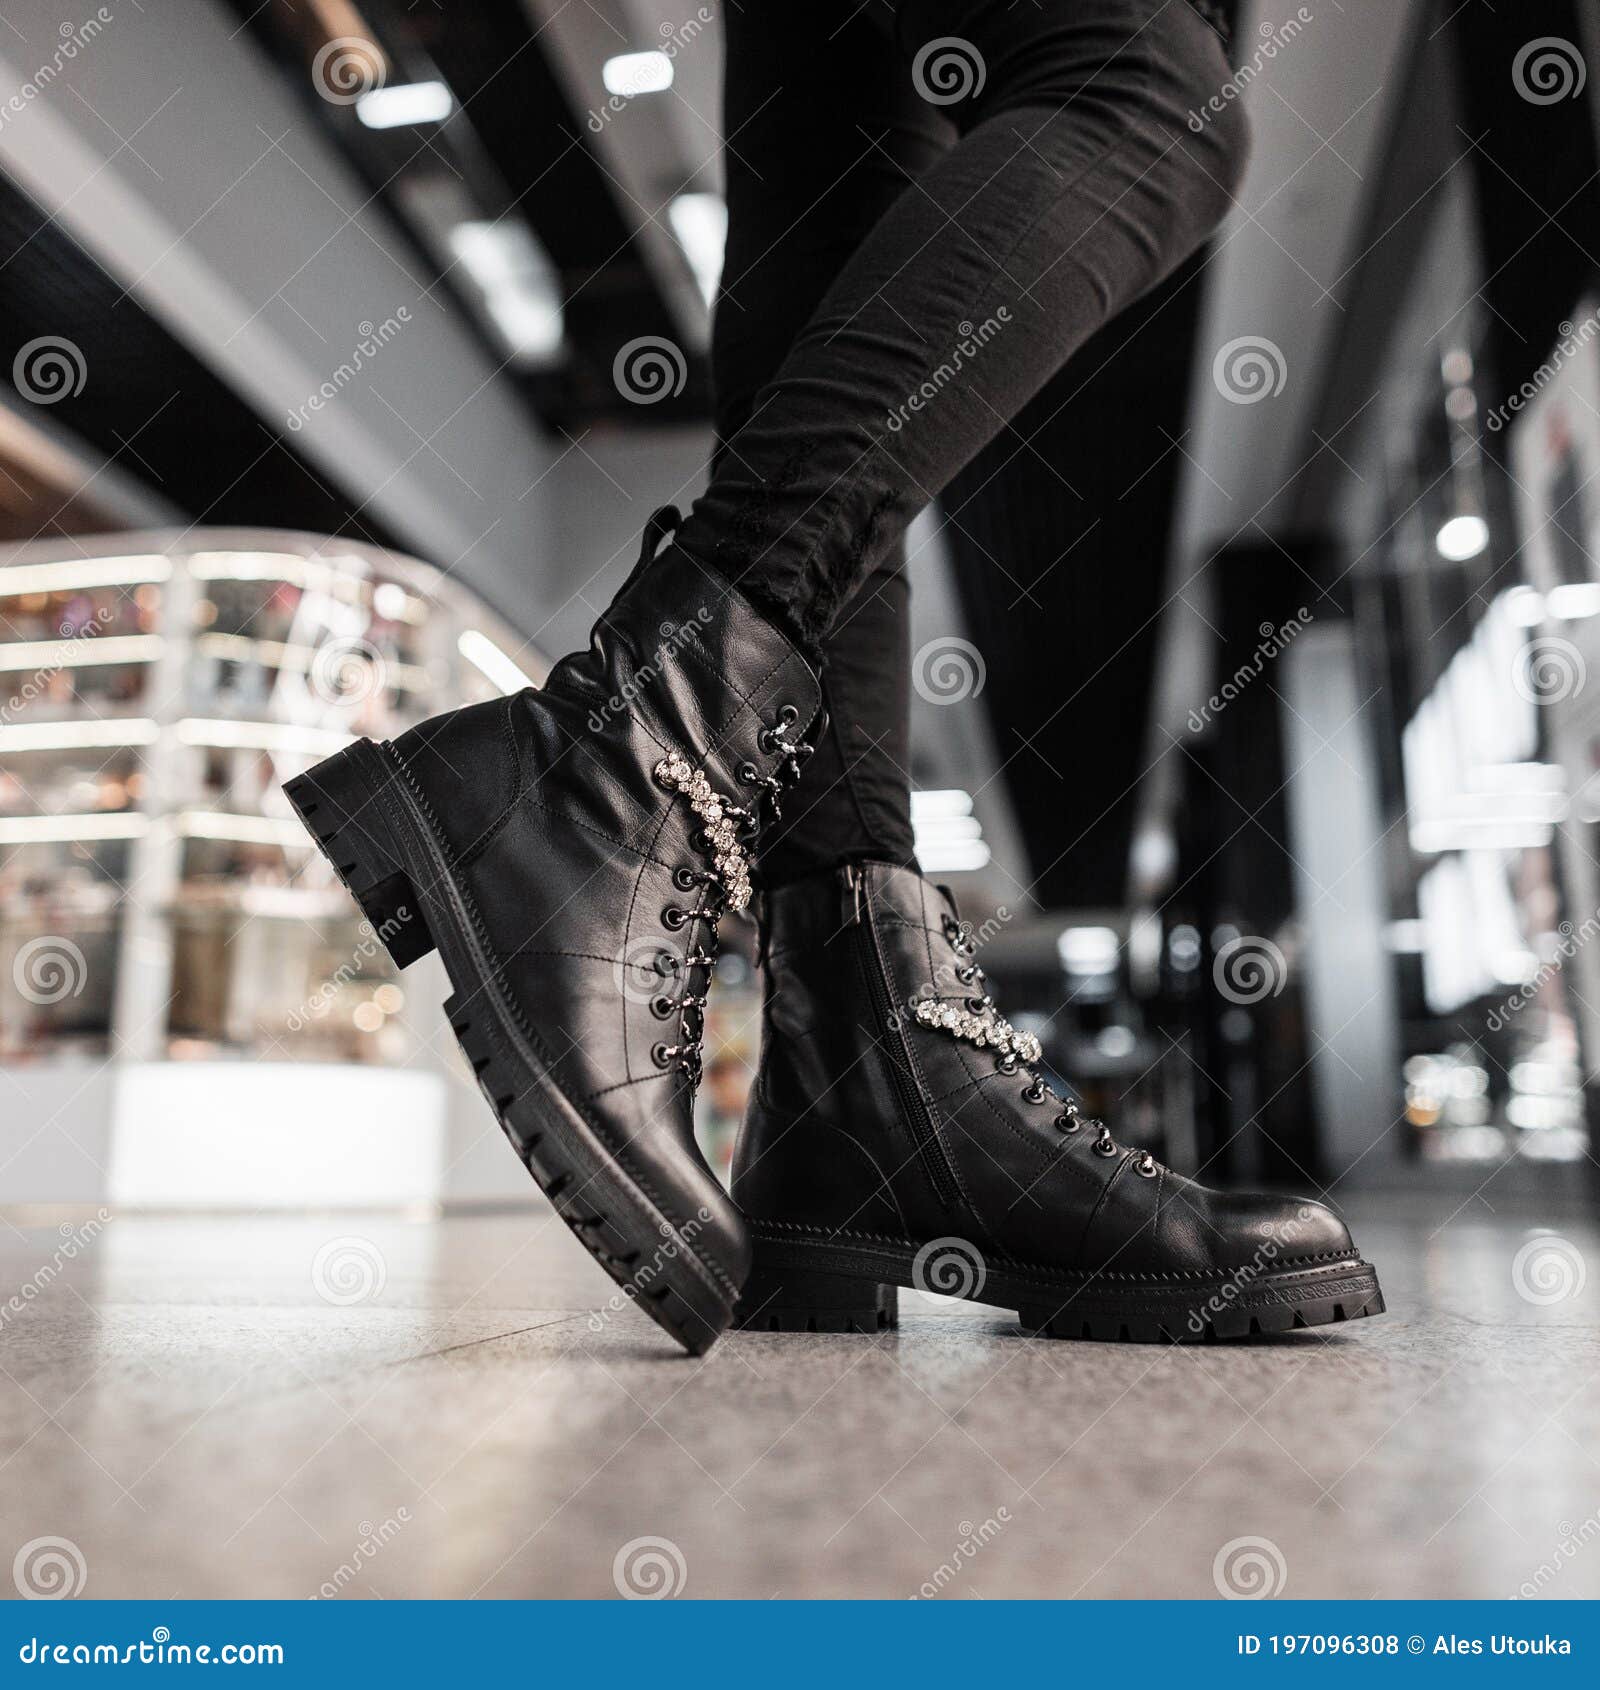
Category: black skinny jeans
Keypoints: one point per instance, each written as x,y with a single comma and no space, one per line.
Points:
932,204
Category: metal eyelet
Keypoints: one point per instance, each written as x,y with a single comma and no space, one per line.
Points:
663,1055
663,1007
1105,1145
967,973
667,964
674,917
1068,1122
1146,1166
1007,1064
768,740
685,879
977,1005
788,714
749,774
1035,1092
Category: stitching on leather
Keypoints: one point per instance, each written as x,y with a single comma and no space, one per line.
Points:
519,1017
1029,1270
577,956
663,819
922,1087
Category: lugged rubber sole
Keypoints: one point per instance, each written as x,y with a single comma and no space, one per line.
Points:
809,1280
370,825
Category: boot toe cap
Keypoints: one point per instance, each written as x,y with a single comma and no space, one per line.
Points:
1255,1228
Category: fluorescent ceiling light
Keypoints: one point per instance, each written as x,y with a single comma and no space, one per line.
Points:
630,74
405,102
700,221
485,656
1524,607
940,801
517,281
948,838
1087,950
958,856
1462,537
1573,602
74,574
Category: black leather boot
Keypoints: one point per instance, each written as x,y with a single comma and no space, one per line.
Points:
899,1134
569,850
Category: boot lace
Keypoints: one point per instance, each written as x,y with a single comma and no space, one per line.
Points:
726,837
976,1019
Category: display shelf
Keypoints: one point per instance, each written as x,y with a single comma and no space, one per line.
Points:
160,902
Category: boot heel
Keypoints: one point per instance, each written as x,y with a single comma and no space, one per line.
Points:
791,1299
338,801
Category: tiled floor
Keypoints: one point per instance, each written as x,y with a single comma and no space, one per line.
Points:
245,1407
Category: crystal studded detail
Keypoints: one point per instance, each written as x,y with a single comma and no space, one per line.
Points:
987,1030
729,857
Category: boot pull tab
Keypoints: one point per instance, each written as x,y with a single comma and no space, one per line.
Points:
851,914
662,522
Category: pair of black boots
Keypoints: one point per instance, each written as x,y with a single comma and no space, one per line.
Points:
570,851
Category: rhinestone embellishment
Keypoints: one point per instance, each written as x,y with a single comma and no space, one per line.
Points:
729,857
989,1031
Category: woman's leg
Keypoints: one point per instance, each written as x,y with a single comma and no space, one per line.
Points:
807,181
1077,184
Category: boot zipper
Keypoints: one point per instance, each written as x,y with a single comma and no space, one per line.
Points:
913,1107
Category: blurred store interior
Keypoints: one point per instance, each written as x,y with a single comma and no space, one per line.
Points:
1251,672
350,343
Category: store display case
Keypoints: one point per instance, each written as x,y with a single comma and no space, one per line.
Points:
160,905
